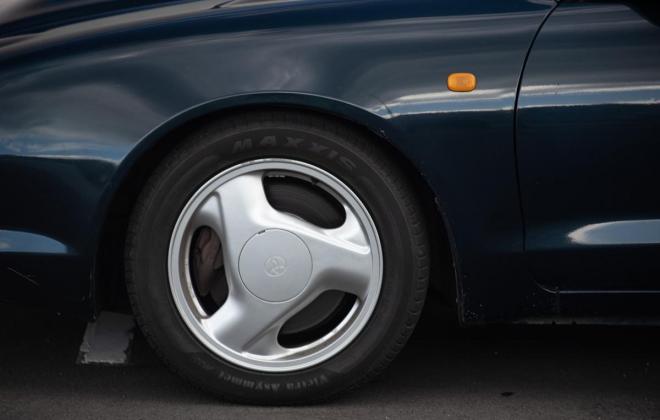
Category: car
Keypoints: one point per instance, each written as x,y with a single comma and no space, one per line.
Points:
275,185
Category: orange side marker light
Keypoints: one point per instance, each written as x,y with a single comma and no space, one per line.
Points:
462,82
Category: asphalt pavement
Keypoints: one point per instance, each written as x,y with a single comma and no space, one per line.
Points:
515,372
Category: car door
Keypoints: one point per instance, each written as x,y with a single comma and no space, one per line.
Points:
588,147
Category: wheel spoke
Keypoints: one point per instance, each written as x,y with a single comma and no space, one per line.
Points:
248,324
235,210
342,258
207,214
344,263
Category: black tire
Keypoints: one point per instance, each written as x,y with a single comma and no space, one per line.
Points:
346,153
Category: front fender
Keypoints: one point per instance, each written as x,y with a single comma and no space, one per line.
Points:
84,98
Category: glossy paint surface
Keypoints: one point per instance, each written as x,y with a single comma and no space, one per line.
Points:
86,91
588,147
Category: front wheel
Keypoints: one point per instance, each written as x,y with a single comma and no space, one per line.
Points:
277,258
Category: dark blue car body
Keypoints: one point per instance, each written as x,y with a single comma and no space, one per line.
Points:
541,181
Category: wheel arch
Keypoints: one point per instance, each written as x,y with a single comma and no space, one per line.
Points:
107,277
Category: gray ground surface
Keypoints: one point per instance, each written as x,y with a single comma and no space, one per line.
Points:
494,372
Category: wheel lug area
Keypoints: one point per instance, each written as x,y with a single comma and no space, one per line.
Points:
275,265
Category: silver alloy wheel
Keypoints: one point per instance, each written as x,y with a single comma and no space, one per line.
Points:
276,264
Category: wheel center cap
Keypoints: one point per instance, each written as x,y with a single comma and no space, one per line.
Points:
275,265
